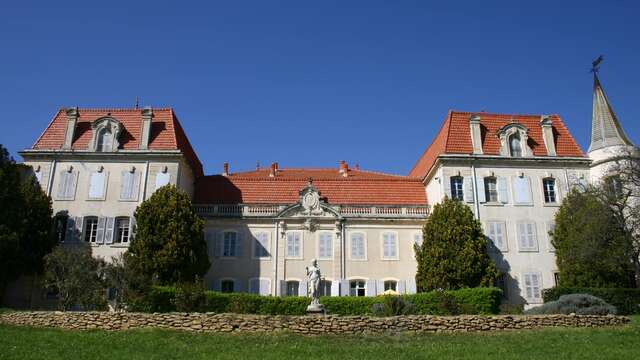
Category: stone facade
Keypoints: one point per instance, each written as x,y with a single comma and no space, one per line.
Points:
306,325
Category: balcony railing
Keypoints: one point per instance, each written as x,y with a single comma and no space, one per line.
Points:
348,211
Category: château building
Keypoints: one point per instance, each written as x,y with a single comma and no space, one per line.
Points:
264,226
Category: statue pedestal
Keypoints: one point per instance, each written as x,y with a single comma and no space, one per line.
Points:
315,309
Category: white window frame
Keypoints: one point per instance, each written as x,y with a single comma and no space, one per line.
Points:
556,200
319,255
364,246
364,287
536,246
105,183
397,247
490,226
527,278
233,250
93,230
488,191
455,191
117,239
300,248
254,245
385,282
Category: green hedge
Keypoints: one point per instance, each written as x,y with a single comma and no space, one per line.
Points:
627,301
464,301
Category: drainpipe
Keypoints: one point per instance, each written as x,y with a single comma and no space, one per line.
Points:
51,173
343,268
275,260
475,190
146,176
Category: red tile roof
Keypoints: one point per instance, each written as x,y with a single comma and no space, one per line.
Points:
166,132
359,188
454,137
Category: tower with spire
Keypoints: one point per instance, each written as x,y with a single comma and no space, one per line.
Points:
608,140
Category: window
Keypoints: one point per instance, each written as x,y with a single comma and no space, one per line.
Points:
122,231
293,244
515,145
527,237
325,288
357,246
91,229
129,185
67,186
97,182
556,278
261,245
491,189
227,286
521,190
293,288
357,288
325,245
229,244
549,189
389,246
457,188
105,140
390,285
162,179
532,287
614,185
417,239
496,232
502,284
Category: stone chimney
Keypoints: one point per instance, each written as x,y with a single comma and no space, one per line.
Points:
476,133
344,168
145,130
274,168
225,169
547,134
72,119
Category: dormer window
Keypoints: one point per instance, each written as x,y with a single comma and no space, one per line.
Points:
515,145
105,135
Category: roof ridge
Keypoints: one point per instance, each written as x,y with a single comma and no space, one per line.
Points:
498,114
117,109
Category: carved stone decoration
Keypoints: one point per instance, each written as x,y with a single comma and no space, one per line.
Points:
310,200
106,131
505,133
310,225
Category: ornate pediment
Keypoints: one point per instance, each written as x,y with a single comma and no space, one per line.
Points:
514,140
106,131
310,205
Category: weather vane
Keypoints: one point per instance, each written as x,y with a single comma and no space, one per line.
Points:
595,65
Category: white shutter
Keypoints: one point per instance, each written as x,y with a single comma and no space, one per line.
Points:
468,189
283,288
503,194
132,228
480,190
162,179
447,186
265,287
379,287
531,236
126,185
502,231
100,230
77,232
108,232
411,286
344,287
371,288
71,189
303,288
254,286
238,249
401,287
335,288
62,184
521,190
522,240
97,182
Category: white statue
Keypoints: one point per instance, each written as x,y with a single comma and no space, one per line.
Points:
313,283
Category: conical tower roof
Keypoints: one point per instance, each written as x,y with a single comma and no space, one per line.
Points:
605,127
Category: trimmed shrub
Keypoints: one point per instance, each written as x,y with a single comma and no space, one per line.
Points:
466,301
393,306
190,297
579,304
626,301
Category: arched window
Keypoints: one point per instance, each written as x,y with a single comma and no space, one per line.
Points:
515,145
105,140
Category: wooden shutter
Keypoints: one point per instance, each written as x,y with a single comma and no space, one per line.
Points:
447,186
531,236
344,287
303,288
125,185
480,190
521,190
522,240
335,288
468,189
238,244
411,286
132,228
100,230
371,288
62,184
379,287
162,179
109,230
503,193
283,288
401,287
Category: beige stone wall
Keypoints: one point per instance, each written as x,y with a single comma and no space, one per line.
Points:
307,325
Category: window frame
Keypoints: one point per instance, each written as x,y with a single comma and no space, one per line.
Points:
300,235
517,135
364,246
502,224
532,299
319,255
514,192
396,256
534,226
117,239
547,193
228,280
86,235
358,288
100,140
323,287
488,180
388,282
62,179
255,242
234,249
287,284
457,194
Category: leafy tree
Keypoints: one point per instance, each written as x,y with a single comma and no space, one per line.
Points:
592,248
169,245
76,276
127,283
26,232
453,254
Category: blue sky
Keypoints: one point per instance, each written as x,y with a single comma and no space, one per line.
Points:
308,83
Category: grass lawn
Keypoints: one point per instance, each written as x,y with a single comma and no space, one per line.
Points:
29,343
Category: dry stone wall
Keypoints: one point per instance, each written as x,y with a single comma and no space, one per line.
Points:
308,325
